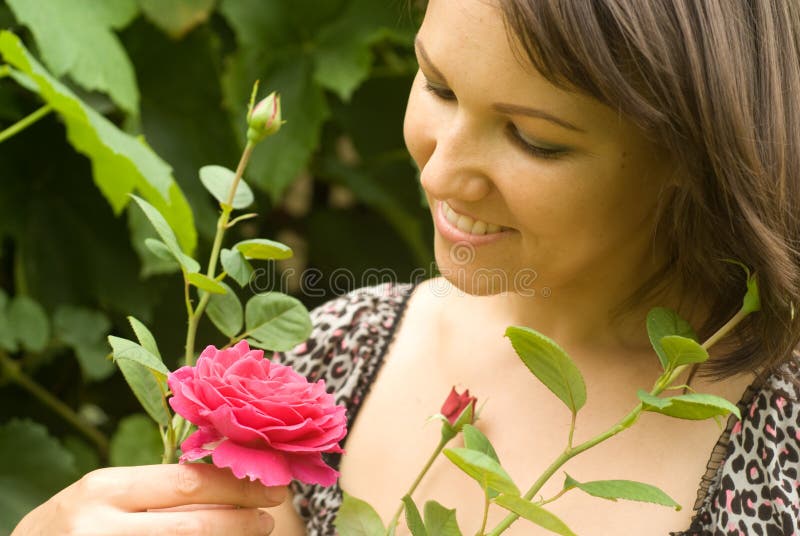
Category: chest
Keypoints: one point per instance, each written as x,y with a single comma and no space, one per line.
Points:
391,440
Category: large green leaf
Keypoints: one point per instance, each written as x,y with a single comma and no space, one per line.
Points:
136,442
75,38
218,180
33,467
440,521
144,336
203,282
167,234
662,322
536,514
85,331
551,364
176,17
28,321
225,310
682,350
236,266
148,388
623,489
120,162
484,469
358,518
276,321
693,406
123,349
261,248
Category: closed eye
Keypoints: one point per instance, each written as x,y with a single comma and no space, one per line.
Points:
440,92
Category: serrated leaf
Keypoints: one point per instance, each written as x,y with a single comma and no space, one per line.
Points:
236,266
483,469
662,322
120,162
218,181
176,17
203,282
277,321
33,467
536,514
28,321
135,442
440,521
551,364
261,248
623,489
145,337
693,406
123,349
413,519
148,388
357,518
75,37
225,311
682,351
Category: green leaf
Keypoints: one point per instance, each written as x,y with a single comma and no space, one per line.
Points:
144,336
86,458
236,266
474,439
136,441
123,349
75,38
28,321
440,521
534,513
277,321
548,362
148,387
33,467
159,249
261,248
85,331
176,17
8,340
218,181
168,238
225,310
120,162
662,322
344,56
692,406
623,489
682,351
752,299
357,518
413,519
203,282
485,470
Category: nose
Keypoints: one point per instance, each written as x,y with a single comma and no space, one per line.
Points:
455,168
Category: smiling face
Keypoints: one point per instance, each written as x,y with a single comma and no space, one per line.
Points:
524,179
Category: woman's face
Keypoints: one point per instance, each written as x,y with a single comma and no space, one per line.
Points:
543,183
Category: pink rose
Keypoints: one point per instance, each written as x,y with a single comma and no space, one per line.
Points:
261,419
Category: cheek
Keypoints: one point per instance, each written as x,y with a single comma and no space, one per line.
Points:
417,127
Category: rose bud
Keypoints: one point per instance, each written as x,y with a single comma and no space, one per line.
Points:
457,410
265,118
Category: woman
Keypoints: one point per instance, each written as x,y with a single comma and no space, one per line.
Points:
584,162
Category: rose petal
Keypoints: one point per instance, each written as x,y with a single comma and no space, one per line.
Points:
193,447
266,465
310,468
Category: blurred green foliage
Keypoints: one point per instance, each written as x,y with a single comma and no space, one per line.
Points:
141,95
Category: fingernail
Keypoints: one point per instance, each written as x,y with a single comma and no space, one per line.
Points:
265,521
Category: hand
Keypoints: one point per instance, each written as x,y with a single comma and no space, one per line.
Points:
192,499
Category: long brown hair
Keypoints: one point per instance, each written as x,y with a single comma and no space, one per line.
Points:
716,83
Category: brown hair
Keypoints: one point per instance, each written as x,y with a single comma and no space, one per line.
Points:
716,83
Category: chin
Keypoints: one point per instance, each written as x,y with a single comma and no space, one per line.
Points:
470,277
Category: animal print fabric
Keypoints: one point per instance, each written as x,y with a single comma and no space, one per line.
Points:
752,483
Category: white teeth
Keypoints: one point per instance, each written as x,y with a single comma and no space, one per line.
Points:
467,224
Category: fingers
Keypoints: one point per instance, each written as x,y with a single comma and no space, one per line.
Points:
166,486
215,522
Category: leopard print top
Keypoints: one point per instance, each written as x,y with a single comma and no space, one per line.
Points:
752,484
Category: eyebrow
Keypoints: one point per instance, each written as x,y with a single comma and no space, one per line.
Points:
501,107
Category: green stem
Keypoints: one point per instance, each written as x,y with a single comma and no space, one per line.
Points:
12,371
222,225
25,122
485,514
442,442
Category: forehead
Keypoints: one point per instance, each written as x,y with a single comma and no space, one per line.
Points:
469,43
